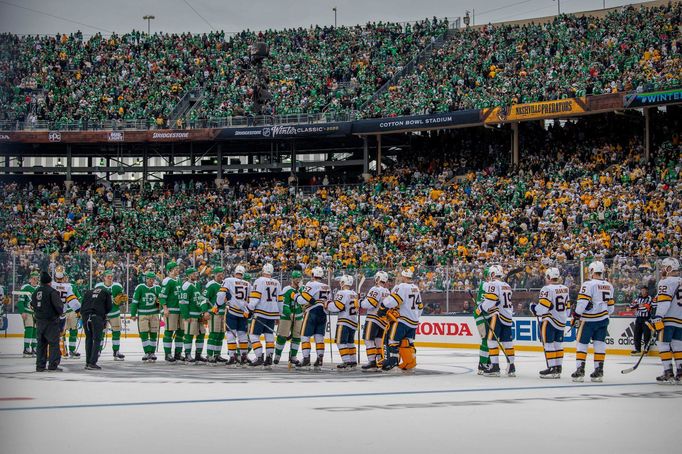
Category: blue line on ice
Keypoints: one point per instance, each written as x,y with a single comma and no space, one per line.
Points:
316,396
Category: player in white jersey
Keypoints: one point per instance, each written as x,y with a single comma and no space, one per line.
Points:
375,325
667,320
346,305
234,293
313,299
592,309
407,301
265,302
497,302
552,310
71,306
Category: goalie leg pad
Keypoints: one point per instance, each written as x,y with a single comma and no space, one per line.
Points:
408,355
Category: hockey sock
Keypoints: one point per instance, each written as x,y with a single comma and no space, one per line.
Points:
255,343
73,339
115,340
509,350
305,344
27,337
200,343
279,346
599,353
676,346
152,341
559,354
484,353
319,344
188,344
179,341
493,351
293,347
34,340
210,344
144,337
219,343
168,341
580,354
369,349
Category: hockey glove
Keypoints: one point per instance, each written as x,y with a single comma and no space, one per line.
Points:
655,324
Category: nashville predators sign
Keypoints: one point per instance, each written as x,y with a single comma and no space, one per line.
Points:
535,110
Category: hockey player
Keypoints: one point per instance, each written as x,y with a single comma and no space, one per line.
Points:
667,320
346,304
406,299
313,298
482,326
114,317
552,310
145,310
290,321
234,293
375,326
497,302
27,315
592,309
69,297
216,323
191,313
265,302
170,287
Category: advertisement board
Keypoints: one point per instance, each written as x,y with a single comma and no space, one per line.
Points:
535,111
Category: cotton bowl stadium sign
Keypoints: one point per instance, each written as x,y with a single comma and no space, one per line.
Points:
287,131
535,111
656,98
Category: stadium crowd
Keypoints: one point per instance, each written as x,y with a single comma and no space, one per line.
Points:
136,76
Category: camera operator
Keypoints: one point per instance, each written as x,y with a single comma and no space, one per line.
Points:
97,303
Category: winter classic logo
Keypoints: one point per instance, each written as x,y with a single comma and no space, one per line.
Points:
54,137
4,137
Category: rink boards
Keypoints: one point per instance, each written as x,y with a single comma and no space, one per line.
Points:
446,332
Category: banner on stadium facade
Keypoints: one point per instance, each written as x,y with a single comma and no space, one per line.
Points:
286,131
655,98
444,331
124,136
416,122
535,110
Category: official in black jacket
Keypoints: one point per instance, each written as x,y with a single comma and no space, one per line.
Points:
96,305
48,307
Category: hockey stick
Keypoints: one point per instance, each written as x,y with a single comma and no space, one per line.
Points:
641,355
359,329
542,340
270,330
490,330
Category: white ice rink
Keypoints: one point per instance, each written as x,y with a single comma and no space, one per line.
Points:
444,407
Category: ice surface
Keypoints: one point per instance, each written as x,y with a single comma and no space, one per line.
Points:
444,407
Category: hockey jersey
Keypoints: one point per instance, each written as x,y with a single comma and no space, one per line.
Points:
169,294
553,305
210,294
68,295
115,289
595,301
345,304
24,303
497,300
314,296
190,300
669,301
145,300
371,303
407,299
265,299
238,291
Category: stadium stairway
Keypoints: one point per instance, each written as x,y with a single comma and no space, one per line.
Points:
185,105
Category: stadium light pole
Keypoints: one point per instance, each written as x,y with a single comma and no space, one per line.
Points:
558,5
148,18
334,9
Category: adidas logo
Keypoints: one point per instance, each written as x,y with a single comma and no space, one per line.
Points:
629,331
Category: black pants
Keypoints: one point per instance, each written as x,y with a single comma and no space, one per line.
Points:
640,328
94,327
48,335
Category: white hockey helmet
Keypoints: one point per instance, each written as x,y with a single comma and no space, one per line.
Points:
318,272
495,271
239,270
671,263
552,273
381,276
596,267
346,280
59,272
268,269
407,272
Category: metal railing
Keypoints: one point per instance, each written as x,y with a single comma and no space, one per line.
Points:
445,289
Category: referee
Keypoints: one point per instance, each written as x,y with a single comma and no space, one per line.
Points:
643,307
96,305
